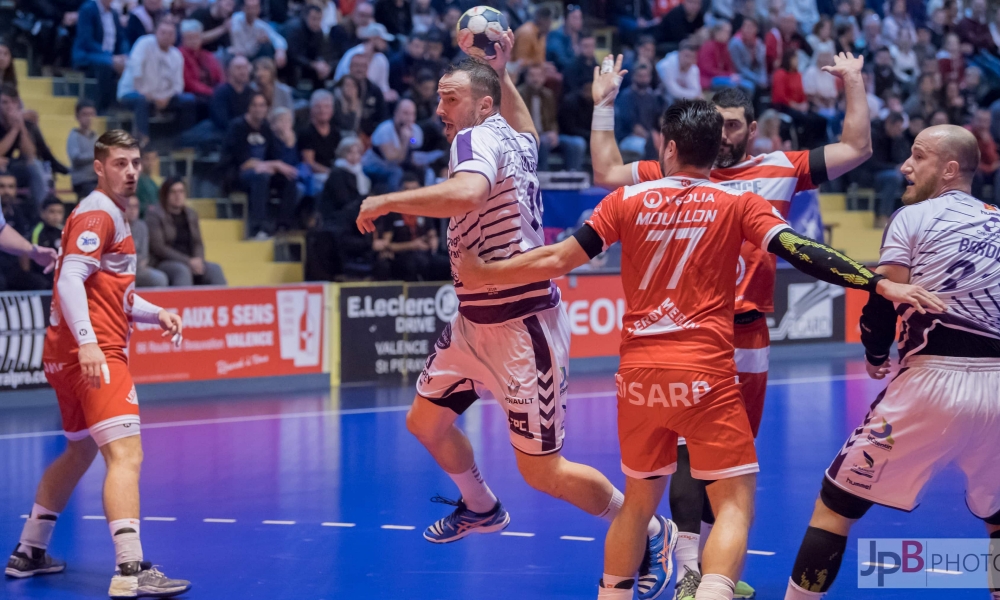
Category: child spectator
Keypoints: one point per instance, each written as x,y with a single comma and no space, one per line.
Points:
80,150
47,234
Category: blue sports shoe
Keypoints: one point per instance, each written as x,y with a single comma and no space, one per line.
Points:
463,522
658,563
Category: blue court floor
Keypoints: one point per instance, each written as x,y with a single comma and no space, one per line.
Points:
325,496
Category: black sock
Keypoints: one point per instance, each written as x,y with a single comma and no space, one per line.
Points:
687,495
819,559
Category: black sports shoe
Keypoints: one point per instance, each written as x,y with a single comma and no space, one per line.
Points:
143,580
20,565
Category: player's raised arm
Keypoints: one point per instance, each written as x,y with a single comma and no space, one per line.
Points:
464,192
855,145
610,171
512,106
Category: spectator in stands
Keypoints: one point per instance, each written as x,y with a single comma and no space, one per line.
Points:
897,23
19,217
319,139
282,122
769,134
959,113
345,188
145,275
871,37
80,150
889,151
821,38
175,243
425,17
100,48
216,19
47,233
8,74
940,117
845,18
395,15
788,96
995,28
885,75
306,45
375,40
821,87
202,71
973,88
392,143
424,95
679,72
373,103
951,63
277,94
974,29
448,34
638,109
530,39
19,145
154,77
252,156
905,63
436,55
989,160
252,37
407,246
681,22
846,40
142,19
541,103
405,64
781,38
347,107
344,35
645,53
575,114
563,44
715,65
924,47
581,68
749,55
518,13
147,189
229,101
806,14
925,101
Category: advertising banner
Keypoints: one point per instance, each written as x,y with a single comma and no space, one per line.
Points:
805,310
23,319
234,333
595,304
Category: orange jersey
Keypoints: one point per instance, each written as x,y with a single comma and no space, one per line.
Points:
681,241
776,177
97,234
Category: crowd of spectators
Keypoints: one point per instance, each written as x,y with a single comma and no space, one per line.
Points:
311,105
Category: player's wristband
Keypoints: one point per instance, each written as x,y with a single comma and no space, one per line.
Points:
872,285
604,118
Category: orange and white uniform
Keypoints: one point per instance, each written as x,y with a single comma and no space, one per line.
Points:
776,177
681,239
94,301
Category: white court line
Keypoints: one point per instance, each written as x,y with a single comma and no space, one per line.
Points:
219,520
93,518
278,522
331,524
517,534
164,519
399,527
384,409
25,516
760,552
574,538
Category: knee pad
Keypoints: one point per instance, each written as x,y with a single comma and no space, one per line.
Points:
843,502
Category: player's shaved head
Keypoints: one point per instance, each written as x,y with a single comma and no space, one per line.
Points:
943,158
954,143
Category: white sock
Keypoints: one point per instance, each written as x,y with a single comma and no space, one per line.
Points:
608,591
614,505
125,535
654,528
475,493
715,587
687,552
38,528
706,528
794,592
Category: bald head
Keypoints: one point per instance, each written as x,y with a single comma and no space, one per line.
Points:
944,158
954,143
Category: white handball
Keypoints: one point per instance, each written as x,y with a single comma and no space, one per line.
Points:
479,29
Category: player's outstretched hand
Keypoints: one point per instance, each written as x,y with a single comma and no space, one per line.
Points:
172,326
505,48
878,371
914,295
845,64
93,365
607,80
371,209
44,257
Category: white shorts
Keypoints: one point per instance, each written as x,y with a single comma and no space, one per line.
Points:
523,362
936,411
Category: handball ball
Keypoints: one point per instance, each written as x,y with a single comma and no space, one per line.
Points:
479,28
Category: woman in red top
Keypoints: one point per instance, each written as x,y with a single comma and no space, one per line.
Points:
788,96
715,65
202,71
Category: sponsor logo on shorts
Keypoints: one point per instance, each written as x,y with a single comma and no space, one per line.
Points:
444,341
53,367
519,423
88,242
882,439
513,386
132,397
563,382
866,486
516,400
867,470
669,395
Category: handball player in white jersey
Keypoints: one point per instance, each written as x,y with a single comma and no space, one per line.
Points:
943,406
512,340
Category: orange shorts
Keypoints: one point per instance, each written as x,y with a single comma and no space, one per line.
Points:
108,413
753,350
655,406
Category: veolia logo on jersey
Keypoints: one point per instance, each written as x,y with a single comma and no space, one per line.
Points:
88,242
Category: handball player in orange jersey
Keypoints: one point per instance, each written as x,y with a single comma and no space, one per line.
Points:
93,307
681,238
777,177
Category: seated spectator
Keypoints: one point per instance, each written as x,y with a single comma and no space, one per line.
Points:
959,113
407,246
252,156
715,65
821,88
890,149
277,94
344,35
821,39
318,139
924,47
645,52
925,100
202,71
405,64
8,74
424,95
20,216
252,37
989,159
392,143
575,115
951,63
940,117
905,63
871,38
679,72
425,17
845,18
229,101
306,45
639,109
345,188
373,103
436,54
581,69
215,19
142,19
148,189
98,52
681,22
846,40
973,88
347,106
749,56
885,75
541,103
788,96
563,44
769,134
530,39
282,122
974,29
80,150
897,23
175,245
374,43
19,145
154,77
47,234
145,275
395,15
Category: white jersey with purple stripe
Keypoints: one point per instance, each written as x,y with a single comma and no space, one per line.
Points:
951,244
507,224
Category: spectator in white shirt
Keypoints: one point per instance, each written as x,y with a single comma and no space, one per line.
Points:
154,76
821,39
252,37
375,39
821,87
897,22
905,63
679,72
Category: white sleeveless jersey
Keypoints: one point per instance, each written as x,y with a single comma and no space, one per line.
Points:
951,244
507,224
